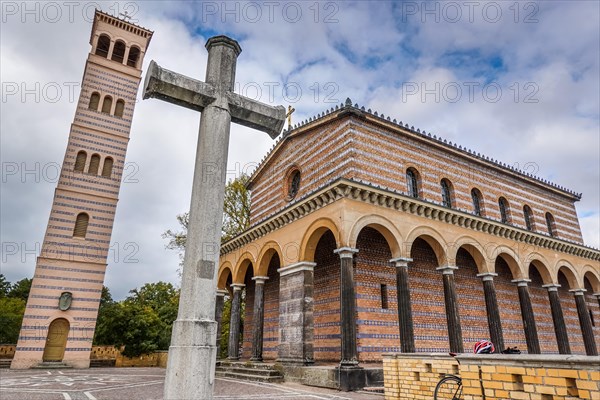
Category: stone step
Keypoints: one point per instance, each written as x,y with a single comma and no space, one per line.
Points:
241,364
5,362
52,365
249,377
250,371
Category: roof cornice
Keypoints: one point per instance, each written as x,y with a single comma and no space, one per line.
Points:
384,197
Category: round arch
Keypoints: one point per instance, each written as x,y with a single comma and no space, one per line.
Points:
474,248
245,260
313,234
591,275
510,257
264,258
433,239
224,272
542,269
381,225
569,272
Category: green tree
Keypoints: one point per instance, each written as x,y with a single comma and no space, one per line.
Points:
4,286
11,317
236,216
21,289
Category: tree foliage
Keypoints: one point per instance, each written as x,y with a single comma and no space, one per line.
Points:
142,322
11,317
4,286
21,289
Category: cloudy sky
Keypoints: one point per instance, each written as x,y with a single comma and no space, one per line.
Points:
517,81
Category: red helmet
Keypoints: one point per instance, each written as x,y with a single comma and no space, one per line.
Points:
483,347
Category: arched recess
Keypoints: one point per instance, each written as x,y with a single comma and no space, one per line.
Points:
433,239
224,273
80,161
133,56
103,46
94,101
381,225
264,258
239,273
509,256
542,269
118,53
107,105
592,278
119,108
312,236
569,273
475,249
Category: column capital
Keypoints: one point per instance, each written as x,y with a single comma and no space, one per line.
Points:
578,292
296,267
447,269
237,286
521,282
345,252
596,294
401,261
552,287
222,292
487,276
260,280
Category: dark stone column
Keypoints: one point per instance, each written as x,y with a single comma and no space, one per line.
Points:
493,313
405,321
452,316
585,322
296,330
347,307
560,329
234,323
219,317
258,317
597,297
531,335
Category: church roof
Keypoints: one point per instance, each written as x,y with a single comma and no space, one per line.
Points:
347,108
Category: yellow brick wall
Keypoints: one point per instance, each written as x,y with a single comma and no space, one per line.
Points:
526,377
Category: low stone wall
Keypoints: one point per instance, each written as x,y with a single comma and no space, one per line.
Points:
104,353
490,377
157,359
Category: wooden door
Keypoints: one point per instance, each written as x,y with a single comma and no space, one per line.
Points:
56,340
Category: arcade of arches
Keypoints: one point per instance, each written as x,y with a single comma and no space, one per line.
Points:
351,281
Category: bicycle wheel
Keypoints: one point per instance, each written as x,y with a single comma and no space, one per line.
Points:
448,388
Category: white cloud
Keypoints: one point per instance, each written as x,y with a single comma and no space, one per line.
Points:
366,55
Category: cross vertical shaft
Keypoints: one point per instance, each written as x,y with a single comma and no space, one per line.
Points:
192,355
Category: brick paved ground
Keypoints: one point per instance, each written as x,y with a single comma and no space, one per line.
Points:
143,384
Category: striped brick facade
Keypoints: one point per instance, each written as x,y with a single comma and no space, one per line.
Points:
353,198
89,183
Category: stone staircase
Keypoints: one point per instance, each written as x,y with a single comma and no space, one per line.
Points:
98,363
52,365
5,362
248,371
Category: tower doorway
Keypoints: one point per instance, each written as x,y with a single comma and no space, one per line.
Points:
56,340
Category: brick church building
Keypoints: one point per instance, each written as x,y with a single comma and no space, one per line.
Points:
369,236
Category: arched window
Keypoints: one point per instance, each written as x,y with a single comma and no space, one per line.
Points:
412,183
528,214
107,167
504,210
94,101
134,55
81,225
80,161
118,52
94,164
477,202
103,46
446,193
119,108
551,225
293,184
107,105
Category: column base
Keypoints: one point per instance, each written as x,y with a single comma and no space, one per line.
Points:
350,378
256,359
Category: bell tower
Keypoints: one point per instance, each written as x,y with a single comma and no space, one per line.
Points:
61,312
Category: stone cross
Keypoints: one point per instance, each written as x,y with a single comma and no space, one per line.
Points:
288,115
192,354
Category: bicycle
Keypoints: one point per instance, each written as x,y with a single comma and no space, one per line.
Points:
449,387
